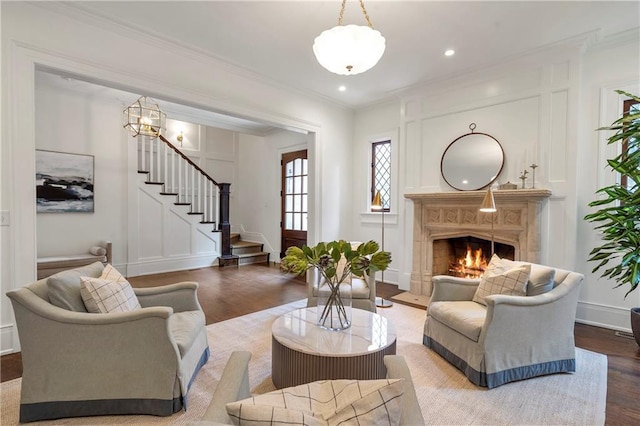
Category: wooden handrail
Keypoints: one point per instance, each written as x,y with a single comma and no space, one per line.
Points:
223,221
188,160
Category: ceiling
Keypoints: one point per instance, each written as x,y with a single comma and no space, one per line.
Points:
272,40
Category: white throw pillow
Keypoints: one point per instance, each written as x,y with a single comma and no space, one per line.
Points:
327,402
111,292
540,281
512,282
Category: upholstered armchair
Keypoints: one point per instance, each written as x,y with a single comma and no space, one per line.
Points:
513,337
234,386
77,363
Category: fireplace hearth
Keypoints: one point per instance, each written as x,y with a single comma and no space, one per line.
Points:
453,215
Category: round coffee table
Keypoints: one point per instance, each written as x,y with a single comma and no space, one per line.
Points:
303,352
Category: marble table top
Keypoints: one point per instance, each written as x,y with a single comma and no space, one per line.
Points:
298,330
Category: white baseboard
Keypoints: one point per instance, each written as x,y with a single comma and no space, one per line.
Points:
611,317
391,276
6,339
156,266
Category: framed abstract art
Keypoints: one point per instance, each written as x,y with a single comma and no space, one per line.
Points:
64,182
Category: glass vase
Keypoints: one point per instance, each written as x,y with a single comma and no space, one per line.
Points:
334,306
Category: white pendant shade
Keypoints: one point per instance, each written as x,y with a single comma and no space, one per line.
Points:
349,49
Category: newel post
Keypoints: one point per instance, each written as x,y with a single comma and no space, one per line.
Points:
225,227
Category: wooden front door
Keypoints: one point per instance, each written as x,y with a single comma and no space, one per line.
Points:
294,200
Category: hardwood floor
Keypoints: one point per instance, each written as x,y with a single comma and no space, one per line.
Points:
229,292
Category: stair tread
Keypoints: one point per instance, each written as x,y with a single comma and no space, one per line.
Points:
168,193
182,204
195,213
241,243
258,254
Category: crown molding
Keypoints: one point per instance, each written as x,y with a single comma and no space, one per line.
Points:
574,44
631,36
78,12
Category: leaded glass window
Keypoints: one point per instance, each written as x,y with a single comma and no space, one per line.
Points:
381,172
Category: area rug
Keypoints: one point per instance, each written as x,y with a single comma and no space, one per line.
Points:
446,396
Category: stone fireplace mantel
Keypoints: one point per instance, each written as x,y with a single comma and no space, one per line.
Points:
455,214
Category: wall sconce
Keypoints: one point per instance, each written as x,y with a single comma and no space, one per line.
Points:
180,138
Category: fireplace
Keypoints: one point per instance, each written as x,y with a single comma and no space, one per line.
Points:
466,257
452,215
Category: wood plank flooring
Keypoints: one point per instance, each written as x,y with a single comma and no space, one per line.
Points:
229,292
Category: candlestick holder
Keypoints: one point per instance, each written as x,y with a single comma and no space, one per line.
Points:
523,177
534,166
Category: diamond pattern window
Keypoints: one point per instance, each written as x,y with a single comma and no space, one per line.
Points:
381,172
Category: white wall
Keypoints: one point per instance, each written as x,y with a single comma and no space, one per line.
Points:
376,124
614,65
53,35
77,123
542,108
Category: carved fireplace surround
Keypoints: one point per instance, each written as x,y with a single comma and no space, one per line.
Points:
455,214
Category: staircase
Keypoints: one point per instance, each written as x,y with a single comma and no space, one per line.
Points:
247,252
167,168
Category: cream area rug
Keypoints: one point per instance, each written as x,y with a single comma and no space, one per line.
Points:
446,396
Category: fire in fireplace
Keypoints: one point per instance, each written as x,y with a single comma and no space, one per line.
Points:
466,257
471,265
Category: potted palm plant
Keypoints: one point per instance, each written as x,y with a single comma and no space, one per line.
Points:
618,216
335,263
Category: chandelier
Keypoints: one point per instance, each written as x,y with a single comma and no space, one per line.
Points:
144,117
349,49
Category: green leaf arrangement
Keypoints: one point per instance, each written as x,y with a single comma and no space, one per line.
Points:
618,217
366,258
336,261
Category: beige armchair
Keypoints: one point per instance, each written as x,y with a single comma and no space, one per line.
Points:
513,337
234,386
77,363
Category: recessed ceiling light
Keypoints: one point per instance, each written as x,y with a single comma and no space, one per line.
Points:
449,52
342,88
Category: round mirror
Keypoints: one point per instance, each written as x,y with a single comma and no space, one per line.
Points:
472,161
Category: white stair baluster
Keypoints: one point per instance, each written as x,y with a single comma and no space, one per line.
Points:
217,207
206,204
151,168
173,171
158,171
193,189
165,172
179,191
143,154
200,203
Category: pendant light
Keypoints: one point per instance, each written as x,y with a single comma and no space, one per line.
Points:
349,49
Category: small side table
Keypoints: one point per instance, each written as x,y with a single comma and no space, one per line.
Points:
303,352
